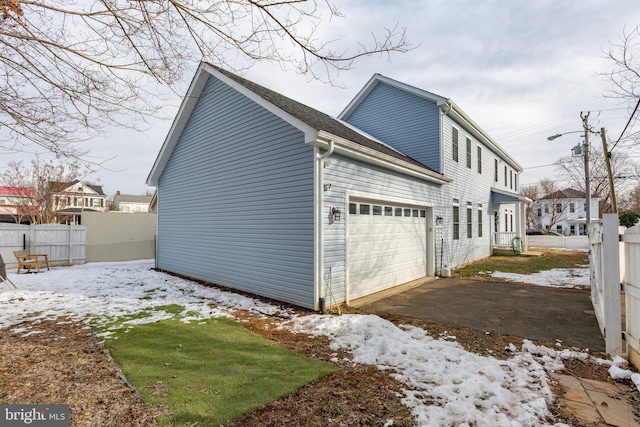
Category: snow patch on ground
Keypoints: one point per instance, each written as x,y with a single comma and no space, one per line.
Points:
557,278
445,384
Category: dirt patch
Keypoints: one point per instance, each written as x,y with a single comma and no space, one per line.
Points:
65,363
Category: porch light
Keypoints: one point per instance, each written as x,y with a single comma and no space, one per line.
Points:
439,220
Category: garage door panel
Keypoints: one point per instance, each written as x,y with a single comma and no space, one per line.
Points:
385,251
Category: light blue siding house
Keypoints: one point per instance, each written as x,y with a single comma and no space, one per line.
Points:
260,193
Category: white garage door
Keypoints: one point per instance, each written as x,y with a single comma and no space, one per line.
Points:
387,246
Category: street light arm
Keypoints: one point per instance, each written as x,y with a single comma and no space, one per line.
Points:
558,135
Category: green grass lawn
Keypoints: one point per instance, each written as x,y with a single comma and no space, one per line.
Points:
523,265
209,372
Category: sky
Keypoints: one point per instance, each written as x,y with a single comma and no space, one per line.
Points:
522,70
443,384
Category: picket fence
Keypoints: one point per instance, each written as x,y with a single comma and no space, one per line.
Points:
615,265
64,244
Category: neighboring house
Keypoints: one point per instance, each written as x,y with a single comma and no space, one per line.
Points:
76,197
298,206
128,203
564,212
15,204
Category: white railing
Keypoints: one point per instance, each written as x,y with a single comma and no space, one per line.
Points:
503,239
64,244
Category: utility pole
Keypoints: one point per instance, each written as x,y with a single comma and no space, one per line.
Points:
607,160
587,180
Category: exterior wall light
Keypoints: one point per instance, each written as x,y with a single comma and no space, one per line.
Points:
439,220
335,212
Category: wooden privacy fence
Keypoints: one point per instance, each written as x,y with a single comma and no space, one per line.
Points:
64,244
615,266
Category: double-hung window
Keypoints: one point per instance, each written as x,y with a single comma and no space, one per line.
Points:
469,220
456,219
454,144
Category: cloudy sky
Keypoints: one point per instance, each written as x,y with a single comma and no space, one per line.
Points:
523,70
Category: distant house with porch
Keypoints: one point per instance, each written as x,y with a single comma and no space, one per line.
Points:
301,207
70,199
564,212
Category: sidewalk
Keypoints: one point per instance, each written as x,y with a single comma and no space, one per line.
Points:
597,403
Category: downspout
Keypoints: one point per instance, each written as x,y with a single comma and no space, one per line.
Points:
320,222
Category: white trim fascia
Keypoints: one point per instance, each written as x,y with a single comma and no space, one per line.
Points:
368,155
379,78
188,104
517,196
317,228
488,141
179,122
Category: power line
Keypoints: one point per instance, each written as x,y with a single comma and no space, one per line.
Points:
627,125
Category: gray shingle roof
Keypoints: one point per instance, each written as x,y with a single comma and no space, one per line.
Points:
567,193
317,119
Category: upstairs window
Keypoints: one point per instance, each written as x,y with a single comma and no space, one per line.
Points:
511,179
505,176
469,153
479,159
454,144
495,169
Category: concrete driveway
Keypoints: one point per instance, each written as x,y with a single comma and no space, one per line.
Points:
534,312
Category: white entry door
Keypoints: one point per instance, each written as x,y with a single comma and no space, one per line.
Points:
387,246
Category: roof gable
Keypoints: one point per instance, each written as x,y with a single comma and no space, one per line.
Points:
377,79
310,121
445,104
77,186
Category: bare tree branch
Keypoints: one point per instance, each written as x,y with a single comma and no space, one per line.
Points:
71,68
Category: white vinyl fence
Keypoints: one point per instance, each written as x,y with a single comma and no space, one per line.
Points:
64,244
604,263
560,242
615,258
630,239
